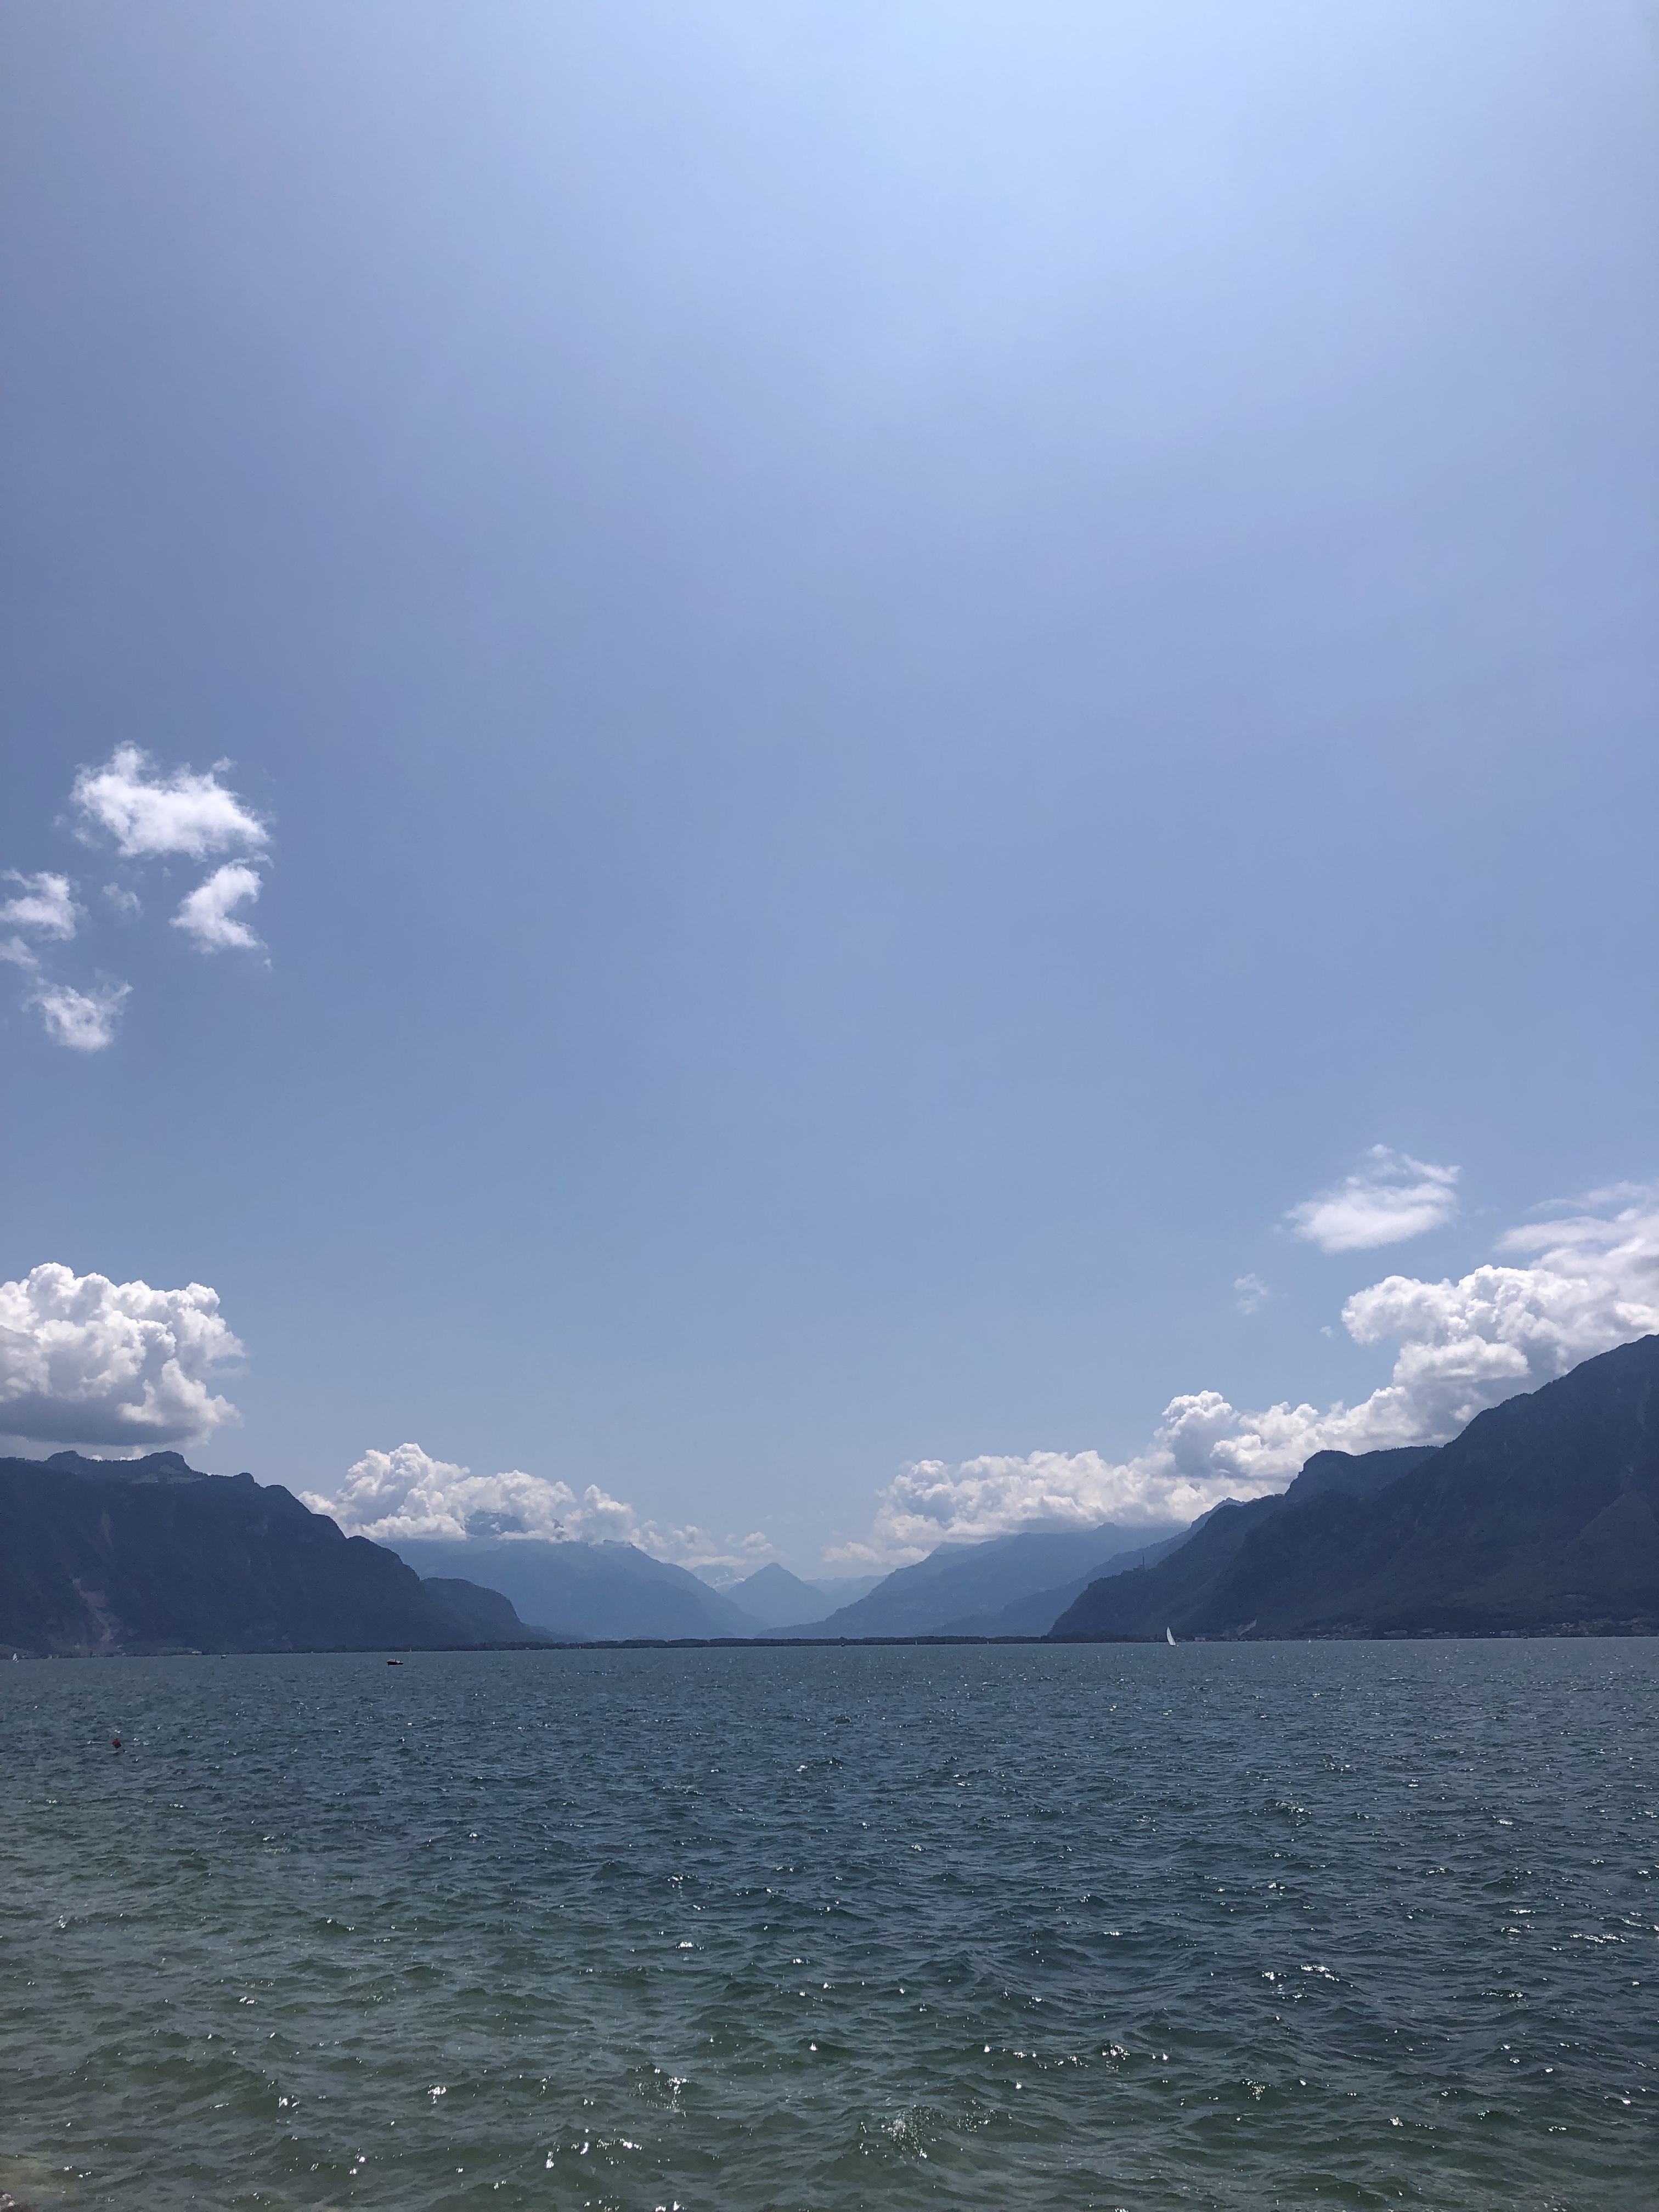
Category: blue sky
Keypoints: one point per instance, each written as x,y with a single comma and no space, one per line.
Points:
900,672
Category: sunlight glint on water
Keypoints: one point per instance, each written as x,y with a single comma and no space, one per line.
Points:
1227,1926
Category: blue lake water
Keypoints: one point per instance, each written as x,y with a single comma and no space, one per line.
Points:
1220,1926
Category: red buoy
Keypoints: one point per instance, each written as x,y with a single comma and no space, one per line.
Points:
115,1743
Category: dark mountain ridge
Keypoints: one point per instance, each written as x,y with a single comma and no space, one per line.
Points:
1146,1602
1541,1517
149,1555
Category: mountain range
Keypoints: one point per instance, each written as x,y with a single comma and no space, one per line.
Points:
150,1555
777,1599
1541,1517
582,1592
961,1590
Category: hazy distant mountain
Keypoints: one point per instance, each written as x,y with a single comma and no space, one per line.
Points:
964,1582
846,1589
484,1613
778,1599
1037,1613
1542,1515
772,1596
150,1555
585,1591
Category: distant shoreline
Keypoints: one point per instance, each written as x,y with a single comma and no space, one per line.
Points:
1605,1632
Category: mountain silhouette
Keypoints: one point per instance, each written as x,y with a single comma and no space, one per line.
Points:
1541,1517
150,1555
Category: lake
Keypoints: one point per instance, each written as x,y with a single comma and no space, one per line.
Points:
1221,1926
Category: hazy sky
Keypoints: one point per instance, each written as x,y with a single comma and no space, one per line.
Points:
890,675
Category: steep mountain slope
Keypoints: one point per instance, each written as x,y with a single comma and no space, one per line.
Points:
581,1591
959,1582
1542,1514
845,1589
1144,1602
484,1614
149,1555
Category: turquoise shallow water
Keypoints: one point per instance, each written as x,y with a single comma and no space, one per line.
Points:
1224,1926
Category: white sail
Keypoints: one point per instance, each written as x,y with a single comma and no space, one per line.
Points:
1169,1633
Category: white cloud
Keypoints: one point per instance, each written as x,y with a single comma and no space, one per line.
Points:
86,1361
85,1021
126,903
1463,1345
405,1493
206,916
151,815
1388,1198
1252,1293
45,904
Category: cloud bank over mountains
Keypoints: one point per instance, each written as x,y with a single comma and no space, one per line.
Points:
146,815
405,1493
86,1361
1464,1345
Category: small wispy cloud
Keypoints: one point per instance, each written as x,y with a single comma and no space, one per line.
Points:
206,915
147,813
85,1021
1252,1293
45,904
151,815
1389,1197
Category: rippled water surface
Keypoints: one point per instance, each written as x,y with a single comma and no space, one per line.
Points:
1227,1926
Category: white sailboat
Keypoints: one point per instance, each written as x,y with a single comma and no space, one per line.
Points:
1170,1635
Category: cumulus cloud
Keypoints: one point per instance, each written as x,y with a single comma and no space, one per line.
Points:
85,1021
86,1361
405,1493
1389,1197
1593,1282
1252,1293
45,904
151,815
206,917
